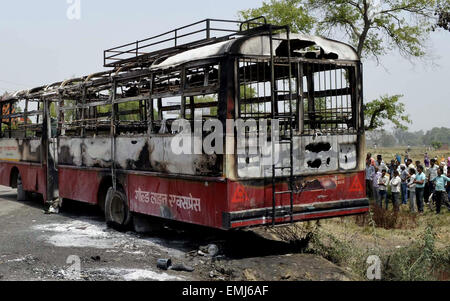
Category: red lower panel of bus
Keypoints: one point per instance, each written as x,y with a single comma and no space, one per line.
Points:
197,202
218,204
80,185
247,195
229,204
298,217
34,177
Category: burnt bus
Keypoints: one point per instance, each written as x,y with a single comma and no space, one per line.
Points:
108,138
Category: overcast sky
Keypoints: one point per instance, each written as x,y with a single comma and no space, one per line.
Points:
40,45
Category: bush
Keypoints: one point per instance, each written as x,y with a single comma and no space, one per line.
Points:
387,219
420,261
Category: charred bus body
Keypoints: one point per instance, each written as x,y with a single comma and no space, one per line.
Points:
106,139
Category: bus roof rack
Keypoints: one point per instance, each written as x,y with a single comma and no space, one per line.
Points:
187,37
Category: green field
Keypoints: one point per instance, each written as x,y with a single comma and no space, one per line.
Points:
416,153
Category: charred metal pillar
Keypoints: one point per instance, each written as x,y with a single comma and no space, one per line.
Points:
360,120
227,107
114,109
150,108
300,99
311,98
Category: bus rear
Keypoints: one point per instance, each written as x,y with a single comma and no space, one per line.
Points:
300,153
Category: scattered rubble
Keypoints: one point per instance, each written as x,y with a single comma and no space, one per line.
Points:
42,245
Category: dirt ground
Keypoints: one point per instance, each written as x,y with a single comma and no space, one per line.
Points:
416,153
35,246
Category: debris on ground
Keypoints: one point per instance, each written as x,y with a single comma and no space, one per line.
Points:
181,268
106,254
164,264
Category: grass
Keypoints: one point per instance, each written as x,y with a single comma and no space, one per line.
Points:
410,246
416,153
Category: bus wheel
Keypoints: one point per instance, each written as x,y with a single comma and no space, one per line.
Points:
22,195
117,212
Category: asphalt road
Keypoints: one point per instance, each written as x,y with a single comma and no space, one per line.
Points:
77,245
36,246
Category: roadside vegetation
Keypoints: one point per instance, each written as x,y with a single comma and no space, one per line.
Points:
410,247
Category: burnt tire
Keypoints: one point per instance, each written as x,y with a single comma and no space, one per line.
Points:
117,212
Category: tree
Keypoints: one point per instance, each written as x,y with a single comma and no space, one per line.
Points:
287,12
443,14
437,134
407,138
381,138
211,111
436,145
373,27
386,108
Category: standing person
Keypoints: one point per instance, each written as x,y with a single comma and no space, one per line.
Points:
448,184
426,160
395,184
383,183
398,158
417,164
409,165
370,170
380,163
412,190
392,168
440,182
420,185
372,160
404,176
432,173
376,187
443,167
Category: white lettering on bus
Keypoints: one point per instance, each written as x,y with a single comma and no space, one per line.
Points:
183,202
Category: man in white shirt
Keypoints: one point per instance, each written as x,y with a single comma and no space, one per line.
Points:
395,184
380,163
431,174
383,183
409,164
404,176
412,190
370,171
443,167
376,177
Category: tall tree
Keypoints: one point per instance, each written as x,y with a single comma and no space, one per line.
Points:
386,108
443,14
375,28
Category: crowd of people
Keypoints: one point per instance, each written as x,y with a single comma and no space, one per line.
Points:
413,183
